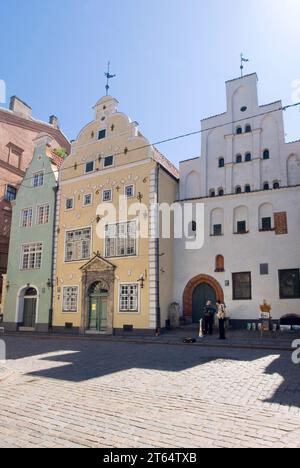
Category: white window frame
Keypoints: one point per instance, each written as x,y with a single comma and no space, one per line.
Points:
23,253
21,218
44,205
89,172
84,198
39,174
111,165
129,311
73,203
111,195
65,245
102,130
133,190
118,240
65,311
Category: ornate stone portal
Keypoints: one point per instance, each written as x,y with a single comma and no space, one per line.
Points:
101,272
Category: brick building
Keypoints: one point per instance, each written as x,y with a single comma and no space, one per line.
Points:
18,130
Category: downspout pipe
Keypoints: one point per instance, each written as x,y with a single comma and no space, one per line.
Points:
158,311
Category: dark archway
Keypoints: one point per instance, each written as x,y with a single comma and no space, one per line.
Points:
192,285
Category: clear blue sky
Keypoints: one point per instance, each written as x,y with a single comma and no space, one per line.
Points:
171,58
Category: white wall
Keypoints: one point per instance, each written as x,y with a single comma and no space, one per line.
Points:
244,253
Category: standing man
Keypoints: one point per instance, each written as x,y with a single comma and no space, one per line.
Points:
209,312
221,314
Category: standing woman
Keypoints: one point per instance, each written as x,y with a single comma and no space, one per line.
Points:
221,314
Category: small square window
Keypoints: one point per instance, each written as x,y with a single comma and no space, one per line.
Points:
264,268
107,195
87,199
89,167
108,161
101,134
11,193
69,203
266,224
241,227
217,230
129,191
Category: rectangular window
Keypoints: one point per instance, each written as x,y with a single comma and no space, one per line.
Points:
78,245
70,298
43,212
69,203
87,199
10,193
107,195
266,224
31,256
120,240
89,167
289,284
108,161
26,218
38,179
241,227
242,286
264,268
101,134
129,191
217,229
129,298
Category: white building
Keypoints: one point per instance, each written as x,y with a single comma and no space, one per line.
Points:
248,177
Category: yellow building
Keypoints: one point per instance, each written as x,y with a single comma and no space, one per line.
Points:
110,276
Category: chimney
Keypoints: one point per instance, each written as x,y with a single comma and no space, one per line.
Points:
53,120
19,107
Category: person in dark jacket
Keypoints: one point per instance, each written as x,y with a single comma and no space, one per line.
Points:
209,312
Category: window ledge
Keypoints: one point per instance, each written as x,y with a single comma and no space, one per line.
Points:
267,230
241,233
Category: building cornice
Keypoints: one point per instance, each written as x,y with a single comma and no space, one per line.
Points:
35,126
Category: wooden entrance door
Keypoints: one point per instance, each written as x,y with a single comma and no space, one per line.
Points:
29,315
202,293
98,312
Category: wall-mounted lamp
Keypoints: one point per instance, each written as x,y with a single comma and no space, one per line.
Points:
49,283
7,285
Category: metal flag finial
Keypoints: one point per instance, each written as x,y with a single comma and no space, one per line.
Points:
109,77
243,60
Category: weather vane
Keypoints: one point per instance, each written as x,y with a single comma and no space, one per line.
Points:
109,77
243,60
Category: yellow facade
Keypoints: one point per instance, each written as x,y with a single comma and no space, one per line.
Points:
111,158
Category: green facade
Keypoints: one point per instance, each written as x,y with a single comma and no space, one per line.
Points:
29,276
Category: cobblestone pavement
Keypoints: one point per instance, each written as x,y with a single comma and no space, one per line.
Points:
80,393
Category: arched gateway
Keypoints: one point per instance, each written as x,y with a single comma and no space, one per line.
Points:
198,291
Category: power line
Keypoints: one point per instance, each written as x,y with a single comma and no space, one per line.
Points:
178,137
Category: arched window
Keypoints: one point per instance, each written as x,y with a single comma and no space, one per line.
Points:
220,264
212,193
221,192
248,157
247,188
266,154
221,162
266,186
239,130
241,220
266,217
276,185
238,189
248,128
239,159
217,222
